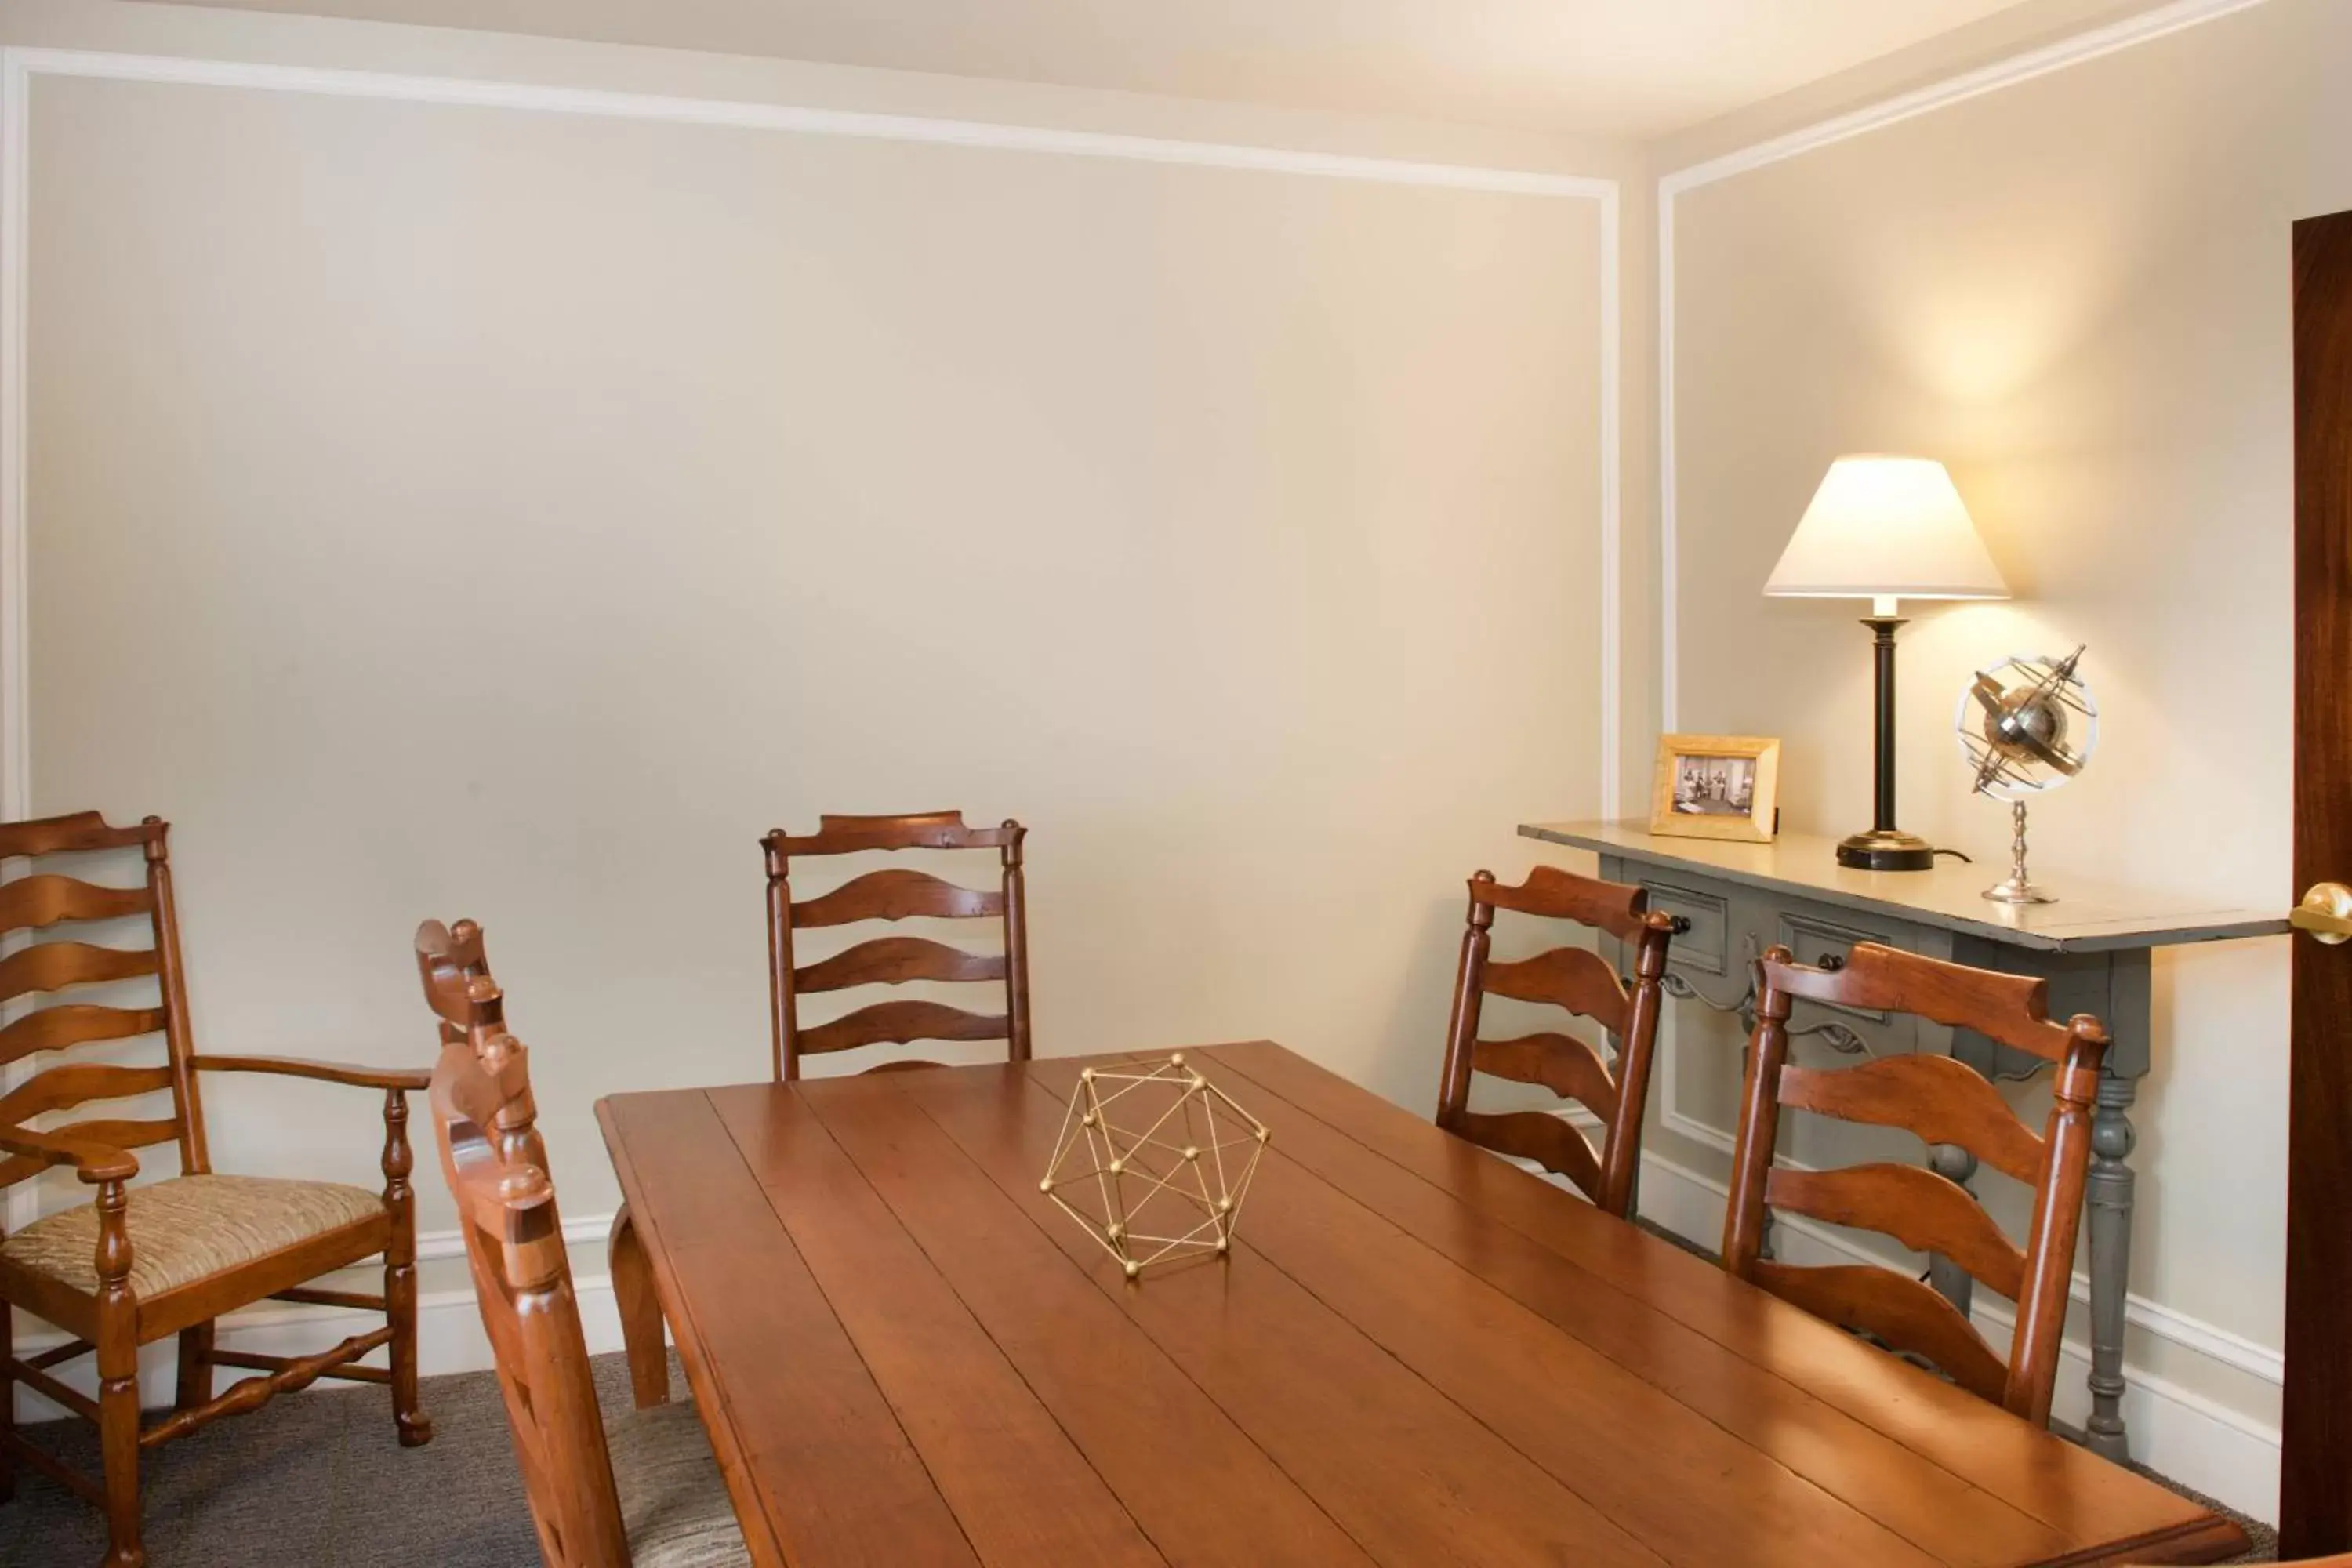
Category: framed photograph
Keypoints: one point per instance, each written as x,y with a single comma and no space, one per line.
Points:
1717,786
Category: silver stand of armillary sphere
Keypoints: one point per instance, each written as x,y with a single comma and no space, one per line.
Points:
2018,889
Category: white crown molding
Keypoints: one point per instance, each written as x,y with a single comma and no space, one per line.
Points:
19,66
2081,49
484,93
2067,52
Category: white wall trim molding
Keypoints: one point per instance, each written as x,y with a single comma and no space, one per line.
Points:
2079,49
2175,1431
19,66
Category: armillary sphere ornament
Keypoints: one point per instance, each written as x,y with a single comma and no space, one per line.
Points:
2027,726
1154,1160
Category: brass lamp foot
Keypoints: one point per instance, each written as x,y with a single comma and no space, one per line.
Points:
1886,849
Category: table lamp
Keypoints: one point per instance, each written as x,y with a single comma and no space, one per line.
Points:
1886,529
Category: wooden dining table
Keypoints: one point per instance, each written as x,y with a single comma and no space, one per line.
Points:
1416,1353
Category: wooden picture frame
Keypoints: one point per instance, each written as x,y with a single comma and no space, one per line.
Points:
1691,796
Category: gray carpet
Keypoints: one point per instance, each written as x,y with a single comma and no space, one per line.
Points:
318,1481
315,1481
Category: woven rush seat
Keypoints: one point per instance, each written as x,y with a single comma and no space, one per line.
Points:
674,1504
187,1227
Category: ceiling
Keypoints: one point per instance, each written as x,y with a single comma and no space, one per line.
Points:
1633,69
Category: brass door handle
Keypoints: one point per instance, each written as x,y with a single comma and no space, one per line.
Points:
2324,914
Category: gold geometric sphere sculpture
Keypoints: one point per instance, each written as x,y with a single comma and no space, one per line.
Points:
1154,1161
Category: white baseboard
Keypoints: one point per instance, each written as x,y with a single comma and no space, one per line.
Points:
2175,1432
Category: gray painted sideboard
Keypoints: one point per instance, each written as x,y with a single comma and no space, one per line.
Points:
2093,946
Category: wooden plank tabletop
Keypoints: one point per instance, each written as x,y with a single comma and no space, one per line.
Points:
1417,1355
2087,917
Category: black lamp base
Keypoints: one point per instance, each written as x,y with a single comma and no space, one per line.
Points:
1886,849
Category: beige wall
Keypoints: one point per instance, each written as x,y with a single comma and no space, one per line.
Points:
1306,470
454,510
2076,290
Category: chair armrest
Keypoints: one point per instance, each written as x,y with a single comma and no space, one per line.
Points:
93,1162
398,1079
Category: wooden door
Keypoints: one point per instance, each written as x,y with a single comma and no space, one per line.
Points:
2315,1464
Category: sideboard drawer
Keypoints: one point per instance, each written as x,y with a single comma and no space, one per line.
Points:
1707,946
1824,944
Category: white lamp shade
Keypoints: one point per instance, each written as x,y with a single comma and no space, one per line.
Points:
1887,527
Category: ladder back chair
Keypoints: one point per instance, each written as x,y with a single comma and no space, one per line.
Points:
166,1258
1582,983
1942,1101
896,894
653,1497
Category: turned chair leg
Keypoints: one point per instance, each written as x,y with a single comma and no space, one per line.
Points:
400,1308
195,1385
118,1381
118,1436
400,1276
641,1319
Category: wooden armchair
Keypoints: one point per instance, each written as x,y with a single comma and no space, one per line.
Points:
894,895
652,1497
1583,983
168,1257
1942,1101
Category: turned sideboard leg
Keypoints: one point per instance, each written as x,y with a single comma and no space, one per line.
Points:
1951,1282
2110,1198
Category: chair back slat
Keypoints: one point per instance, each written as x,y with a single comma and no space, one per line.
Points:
1923,1211
837,834
1561,1063
39,902
894,960
1580,983
74,833
485,1123
1618,908
75,1024
1534,1135
1574,978
70,1084
58,965
837,822
1941,1102
895,894
1857,1296
899,1023
51,965
2014,1009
